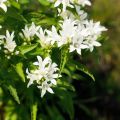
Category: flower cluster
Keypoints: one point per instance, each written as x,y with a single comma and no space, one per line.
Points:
44,75
70,3
78,34
75,31
8,43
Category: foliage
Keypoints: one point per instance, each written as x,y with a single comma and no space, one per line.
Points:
17,101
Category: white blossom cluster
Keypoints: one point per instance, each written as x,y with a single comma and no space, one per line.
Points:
75,30
44,75
78,33
29,32
70,3
8,43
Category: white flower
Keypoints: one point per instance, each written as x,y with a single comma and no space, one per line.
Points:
77,43
43,65
45,41
53,35
82,14
29,32
94,28
33,29
92,33
80,17
65,3
39,73
51,76
45,87
33,76
44,75
2,5
66,14
91,41
9,44
26,32
69,3
80,33
83,2
67,32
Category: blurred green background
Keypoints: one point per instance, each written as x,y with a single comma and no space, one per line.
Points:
101,100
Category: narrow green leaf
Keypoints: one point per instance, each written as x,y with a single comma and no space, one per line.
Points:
27,48
19,70
85,109
13,92
34,111
65,84
85,70
64,55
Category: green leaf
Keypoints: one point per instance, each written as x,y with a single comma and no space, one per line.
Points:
66,102
83,69
34,111
65,85
64,56
15,4
13,92
53,113
19,70
85,109
13,13
44,2
27,48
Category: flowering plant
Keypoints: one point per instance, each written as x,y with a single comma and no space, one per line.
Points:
38,42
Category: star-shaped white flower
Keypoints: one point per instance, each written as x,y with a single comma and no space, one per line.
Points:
67,32
69,3
65,3
44,75
53,35
45,41
77,43
44,88
30,31
9,44
83,2
92,32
